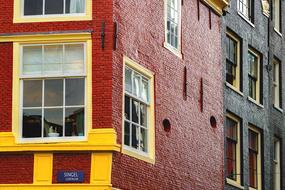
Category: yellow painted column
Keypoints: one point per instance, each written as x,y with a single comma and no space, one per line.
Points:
101,166
43,168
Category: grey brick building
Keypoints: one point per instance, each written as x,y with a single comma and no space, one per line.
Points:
253,69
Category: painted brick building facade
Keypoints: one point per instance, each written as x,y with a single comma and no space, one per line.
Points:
64,86
253,91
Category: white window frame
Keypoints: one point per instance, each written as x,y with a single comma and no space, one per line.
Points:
277,164
245,9
276,84
276,5
23,77
258,81
43,15
176,51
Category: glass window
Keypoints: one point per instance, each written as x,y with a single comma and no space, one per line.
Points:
277,14
172,28
136,125
253,76
53,7
53,103
233,148
245,8
276,83
277,164
232,62
254,159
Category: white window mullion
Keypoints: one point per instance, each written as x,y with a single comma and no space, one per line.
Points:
44,6
43,100
131,117
64,7
63,106
43,57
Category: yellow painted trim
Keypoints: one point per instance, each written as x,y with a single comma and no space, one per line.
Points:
259,170
43,168
236,83
98,140
276,84
238,150
234,183
101,167
150,156
18,18
53,38
36,38
55,187
217,5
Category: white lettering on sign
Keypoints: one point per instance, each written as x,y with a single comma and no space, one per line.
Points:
70,174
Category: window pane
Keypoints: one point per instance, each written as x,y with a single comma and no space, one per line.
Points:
252,169
32,93
74,58
53,92
128,80
32,59
135,111
74,122
127,108
33,7
32,123
127,133
143,115
231,159
74,91
75,6
144,91
53,59
53,122
231,128
253,140
136,85
53,6
143,138
135,136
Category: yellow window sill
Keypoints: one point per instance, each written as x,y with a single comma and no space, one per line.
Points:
174,51
234,89
278,32
51,19
134,154
234,183
255,102
98,140
56,186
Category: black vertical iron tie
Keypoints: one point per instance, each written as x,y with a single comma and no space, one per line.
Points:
103,35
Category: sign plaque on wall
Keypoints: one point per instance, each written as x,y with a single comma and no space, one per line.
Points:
70,177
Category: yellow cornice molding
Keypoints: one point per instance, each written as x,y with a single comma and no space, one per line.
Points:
98,140
30,38
98,186
217,5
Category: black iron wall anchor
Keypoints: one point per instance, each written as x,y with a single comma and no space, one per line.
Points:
103,35
116,30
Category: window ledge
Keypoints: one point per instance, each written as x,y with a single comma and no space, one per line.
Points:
246,19
278,32
278,109
136,154
234,183
234,89
174,51
255,102
98,139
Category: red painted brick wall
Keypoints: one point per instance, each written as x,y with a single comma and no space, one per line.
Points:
101,85
16,168
102,59
72,162
190,156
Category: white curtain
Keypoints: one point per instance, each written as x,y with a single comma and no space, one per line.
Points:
77,6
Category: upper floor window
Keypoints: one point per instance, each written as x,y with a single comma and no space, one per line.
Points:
245,8
277,83
233,167
277,14
254,156
53,90
138,114
173,25
51,7
254,76
277,164
233,61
